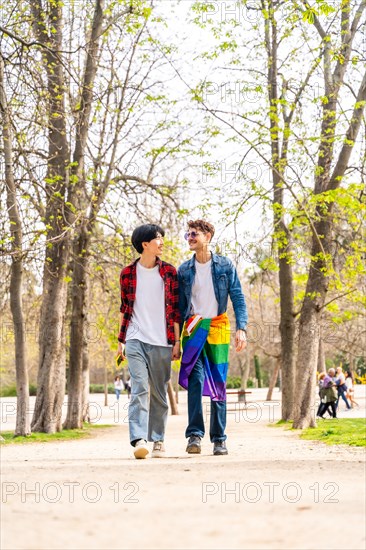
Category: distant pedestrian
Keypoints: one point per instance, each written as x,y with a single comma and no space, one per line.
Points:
341,386
349,381
128,387
321,377
329,395
118,386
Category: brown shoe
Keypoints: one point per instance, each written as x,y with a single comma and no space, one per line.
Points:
194,445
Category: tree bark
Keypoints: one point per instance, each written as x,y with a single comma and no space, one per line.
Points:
244,370
74,418
86,381
105,386
274,377
80,248
22,419
321,367
287,330
304,410
258,372
51,373
279,163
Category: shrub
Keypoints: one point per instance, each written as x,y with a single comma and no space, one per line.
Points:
11,391
233,382
99,388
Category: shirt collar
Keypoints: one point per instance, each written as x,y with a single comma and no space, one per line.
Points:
193,259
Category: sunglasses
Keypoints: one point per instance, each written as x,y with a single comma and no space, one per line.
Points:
191,234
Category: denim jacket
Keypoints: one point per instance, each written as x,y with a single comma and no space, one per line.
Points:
225,282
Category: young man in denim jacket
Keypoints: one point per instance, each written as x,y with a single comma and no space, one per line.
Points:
205,283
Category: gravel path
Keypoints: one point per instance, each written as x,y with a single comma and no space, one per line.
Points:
273,490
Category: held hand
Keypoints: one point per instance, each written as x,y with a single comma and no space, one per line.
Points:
121,351
240,340
176,351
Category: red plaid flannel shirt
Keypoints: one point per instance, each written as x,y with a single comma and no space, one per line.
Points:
128,293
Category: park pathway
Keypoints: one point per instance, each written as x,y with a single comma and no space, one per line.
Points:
273,491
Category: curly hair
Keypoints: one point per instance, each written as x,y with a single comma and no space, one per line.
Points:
202,225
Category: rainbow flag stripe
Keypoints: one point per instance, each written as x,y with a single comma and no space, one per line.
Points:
211,337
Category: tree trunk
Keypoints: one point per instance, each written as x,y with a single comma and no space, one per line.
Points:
86,381
309,333
258,373
79,292
304,412
279,163
328,176
274,377
173,404
287,330
244,373
321,367
105,386
22,419
80,249
51,373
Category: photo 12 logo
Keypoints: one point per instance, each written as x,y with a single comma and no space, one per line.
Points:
269,491
69,491
224,12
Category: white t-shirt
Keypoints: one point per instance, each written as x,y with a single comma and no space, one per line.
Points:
349,383
148,322
118,384
204,301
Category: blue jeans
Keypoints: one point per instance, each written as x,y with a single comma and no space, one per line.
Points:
117,393
342,393
196,424
149,366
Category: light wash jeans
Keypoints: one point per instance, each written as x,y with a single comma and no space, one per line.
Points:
148,365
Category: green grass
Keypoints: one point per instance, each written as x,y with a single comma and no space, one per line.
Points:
340,431
64,435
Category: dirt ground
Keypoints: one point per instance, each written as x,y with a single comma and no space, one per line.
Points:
273,490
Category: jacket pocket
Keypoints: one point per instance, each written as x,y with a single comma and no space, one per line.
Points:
223,282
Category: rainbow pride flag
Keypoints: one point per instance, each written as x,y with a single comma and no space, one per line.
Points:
211,337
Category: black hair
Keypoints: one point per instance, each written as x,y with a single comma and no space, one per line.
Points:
144,234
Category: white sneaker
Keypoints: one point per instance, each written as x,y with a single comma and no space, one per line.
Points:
141,450
158,450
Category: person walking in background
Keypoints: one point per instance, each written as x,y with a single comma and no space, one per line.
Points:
128,387
205,283
149,336
329,395
341,386
321,377
118,386
349,381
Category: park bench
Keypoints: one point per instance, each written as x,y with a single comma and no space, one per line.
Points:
241,395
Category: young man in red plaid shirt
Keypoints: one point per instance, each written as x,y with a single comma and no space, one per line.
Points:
149,337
